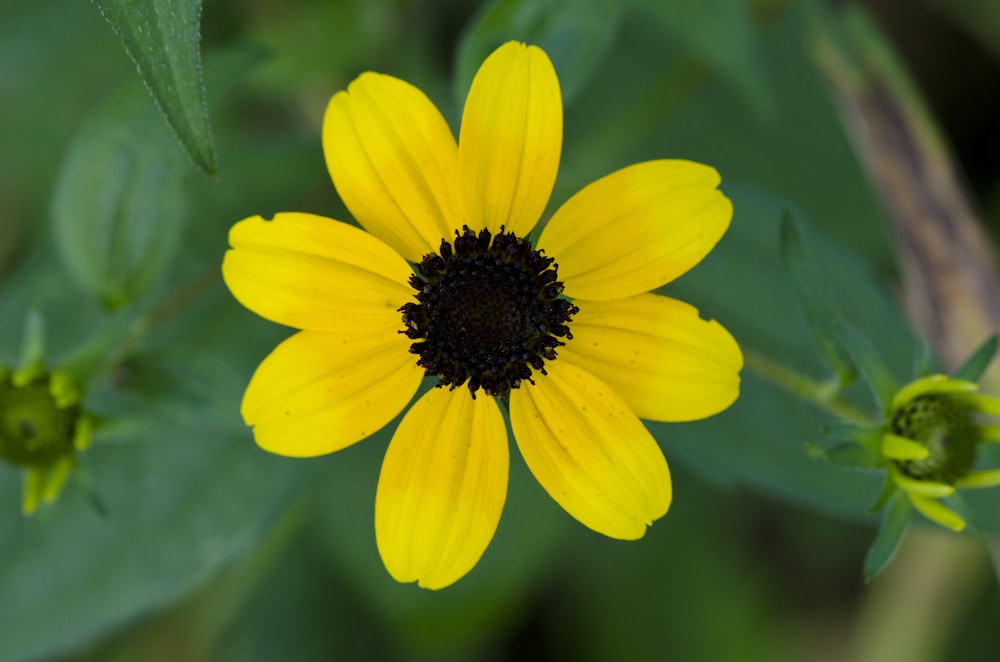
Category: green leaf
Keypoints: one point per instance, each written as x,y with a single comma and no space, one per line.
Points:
183,503
890,534
203,620
813,298
721,32
875,373
162,37
574,34
979,361
119,200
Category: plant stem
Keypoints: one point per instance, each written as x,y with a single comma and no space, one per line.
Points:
821,394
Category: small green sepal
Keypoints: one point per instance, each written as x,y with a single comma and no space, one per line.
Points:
890,534
889,488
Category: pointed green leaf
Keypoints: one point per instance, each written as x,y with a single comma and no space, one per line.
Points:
162,37
119,200
575,35
890,534
881,382
183,503
813,298
976,364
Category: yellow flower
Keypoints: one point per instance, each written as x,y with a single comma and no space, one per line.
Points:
578,348
931,442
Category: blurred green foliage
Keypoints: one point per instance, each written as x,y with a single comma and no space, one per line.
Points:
213,549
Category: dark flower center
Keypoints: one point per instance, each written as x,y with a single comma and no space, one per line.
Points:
489,311
943,425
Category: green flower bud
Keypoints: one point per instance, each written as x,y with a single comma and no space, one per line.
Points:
942,424
931,439
35,429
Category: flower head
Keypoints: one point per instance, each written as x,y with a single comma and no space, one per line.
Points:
42,427
444,282
931,440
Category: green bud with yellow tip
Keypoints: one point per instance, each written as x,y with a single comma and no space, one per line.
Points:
42,427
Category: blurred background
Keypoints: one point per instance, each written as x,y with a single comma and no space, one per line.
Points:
211,549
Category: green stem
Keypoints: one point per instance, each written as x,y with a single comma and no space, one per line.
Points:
821,394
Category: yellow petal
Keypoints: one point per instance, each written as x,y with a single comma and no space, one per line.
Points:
665,361
936,511
442,488
311,272
394,163
636,229
510,139
900,448
319,392
590,452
